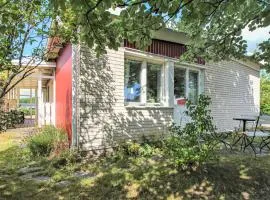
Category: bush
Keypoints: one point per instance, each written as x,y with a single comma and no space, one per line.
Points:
265,95
49,140
192,144
27,111
10,119
136,149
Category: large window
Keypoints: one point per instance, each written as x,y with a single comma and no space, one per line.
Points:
132,81
143,82
153,83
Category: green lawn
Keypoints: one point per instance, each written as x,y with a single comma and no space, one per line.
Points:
230,177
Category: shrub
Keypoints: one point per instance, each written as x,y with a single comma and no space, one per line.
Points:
136,149
193,144
10,119
27,111
47,141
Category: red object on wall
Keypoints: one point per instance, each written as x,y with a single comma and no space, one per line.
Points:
164,48
64,90
181,101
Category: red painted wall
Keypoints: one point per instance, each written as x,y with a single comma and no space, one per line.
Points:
64,90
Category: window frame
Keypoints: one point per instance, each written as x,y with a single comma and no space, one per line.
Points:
143,82
187,70
140,99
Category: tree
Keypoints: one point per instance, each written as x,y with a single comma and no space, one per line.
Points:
24,26
214,26
265,94
262,54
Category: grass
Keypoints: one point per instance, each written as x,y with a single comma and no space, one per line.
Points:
232,176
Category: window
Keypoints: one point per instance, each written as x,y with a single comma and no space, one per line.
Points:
179,83
193,86
186,84
143,82
132,81
153,83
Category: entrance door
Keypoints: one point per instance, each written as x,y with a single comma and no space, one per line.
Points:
180,82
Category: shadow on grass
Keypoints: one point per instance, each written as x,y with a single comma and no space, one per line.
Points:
232,177
147,179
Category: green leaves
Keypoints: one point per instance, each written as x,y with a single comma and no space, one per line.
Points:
265,95
24,29
193,143
214,26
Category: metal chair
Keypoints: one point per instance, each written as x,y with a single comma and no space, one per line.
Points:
265,137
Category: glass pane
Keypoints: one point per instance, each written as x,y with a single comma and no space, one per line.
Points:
153,83
179,83
132,89
25,92
193,87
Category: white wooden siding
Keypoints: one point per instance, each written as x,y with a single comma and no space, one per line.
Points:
234,89
104,119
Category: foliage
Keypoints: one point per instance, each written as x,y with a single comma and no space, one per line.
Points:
27,111
262,54
134,177
265,95
214,26
49,140
138,149
24,30
10,119
28,100
194,143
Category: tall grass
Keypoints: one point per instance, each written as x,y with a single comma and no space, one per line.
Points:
47,141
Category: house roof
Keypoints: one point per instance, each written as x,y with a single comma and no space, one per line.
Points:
170,35
39,64
165,34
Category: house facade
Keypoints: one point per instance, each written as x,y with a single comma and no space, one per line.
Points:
129,93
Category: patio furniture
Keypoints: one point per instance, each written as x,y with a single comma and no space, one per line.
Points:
248,137
265,142
245,120
244,137
260,133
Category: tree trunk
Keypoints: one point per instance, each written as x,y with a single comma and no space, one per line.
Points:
1,104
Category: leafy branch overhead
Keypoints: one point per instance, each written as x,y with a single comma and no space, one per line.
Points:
214,26
24,30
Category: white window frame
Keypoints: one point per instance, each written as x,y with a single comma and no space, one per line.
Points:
187,69
143,82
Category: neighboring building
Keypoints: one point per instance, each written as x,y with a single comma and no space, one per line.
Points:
130,93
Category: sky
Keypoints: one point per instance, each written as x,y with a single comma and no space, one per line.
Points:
255,37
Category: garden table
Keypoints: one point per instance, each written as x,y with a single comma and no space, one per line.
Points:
243,137
245,120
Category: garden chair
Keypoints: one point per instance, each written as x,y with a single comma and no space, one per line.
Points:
258,132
